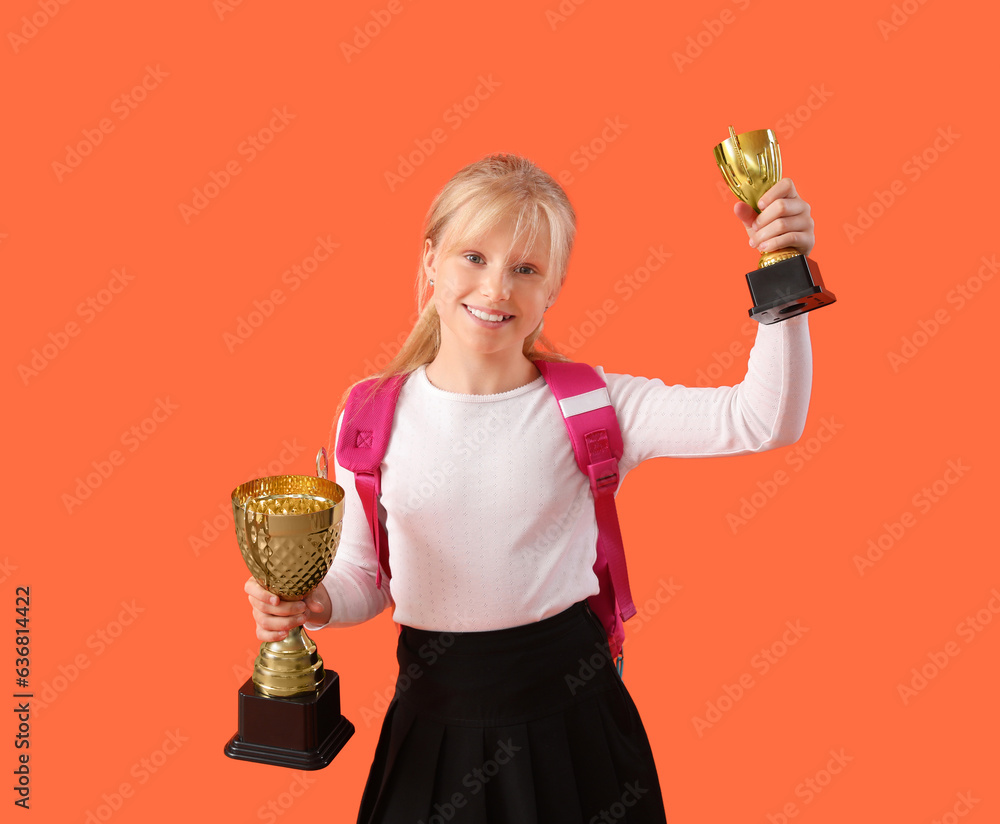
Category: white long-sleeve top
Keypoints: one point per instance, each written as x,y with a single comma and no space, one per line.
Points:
490,521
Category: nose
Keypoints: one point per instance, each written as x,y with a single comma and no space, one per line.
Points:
495,285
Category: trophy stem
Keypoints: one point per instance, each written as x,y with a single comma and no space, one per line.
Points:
288,667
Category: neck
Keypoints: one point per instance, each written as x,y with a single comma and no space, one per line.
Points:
472,373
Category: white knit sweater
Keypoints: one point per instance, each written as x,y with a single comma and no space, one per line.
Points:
490,521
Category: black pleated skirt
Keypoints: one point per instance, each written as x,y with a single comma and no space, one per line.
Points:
528,725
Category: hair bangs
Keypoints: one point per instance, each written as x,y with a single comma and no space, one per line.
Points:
484,211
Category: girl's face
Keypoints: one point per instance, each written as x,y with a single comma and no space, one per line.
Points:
486,304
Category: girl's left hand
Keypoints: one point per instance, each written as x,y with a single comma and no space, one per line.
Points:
784,220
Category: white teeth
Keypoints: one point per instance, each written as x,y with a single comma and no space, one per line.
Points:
484,316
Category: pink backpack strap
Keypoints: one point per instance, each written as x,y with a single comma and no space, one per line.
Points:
364,438
597,443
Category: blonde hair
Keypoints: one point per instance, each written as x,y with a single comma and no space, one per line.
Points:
478,198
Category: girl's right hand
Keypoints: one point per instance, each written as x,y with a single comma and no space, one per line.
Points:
275,617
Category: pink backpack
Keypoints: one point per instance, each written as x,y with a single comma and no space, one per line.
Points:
597,443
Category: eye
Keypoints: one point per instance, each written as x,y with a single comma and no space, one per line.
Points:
530,270
474,255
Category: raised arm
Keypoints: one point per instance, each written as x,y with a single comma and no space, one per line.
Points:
767,409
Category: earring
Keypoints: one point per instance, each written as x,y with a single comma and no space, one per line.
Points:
431,282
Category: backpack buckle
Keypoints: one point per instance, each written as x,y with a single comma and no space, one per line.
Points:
603,476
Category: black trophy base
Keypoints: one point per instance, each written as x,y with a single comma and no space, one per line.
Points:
303,732
787,288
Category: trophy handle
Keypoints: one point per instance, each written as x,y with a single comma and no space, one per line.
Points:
322,464
739,154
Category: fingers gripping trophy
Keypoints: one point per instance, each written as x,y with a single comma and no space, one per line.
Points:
785,283
288,528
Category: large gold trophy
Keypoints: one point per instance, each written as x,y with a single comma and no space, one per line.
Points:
785,283
288,528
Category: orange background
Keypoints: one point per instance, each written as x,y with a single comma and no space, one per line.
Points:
851,102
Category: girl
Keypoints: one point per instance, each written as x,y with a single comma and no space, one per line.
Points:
486,725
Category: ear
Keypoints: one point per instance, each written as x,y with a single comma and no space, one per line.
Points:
553,294
430,259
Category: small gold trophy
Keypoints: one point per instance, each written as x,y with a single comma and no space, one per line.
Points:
785,283
288,528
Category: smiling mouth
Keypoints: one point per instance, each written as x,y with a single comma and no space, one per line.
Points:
492,317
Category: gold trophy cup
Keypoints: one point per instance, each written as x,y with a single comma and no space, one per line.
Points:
288,528
785,283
